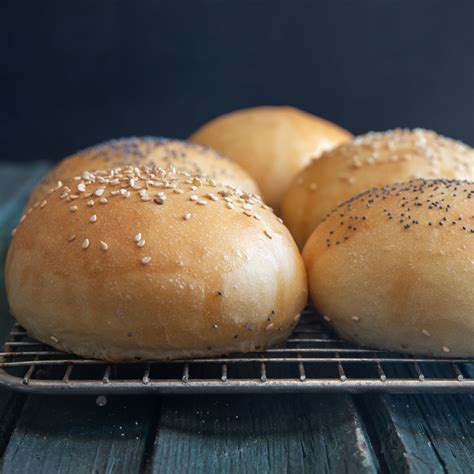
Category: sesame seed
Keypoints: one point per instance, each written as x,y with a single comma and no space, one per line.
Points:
138,237
73,208
270,327
99,192
54,339
93,218
85,244
81,187
103,246
247,207
90,202
141,243
178,191
73,237
43,204
194,198
146,198
268,234
215,326
229,205
326,318
425,332
145,260
187,216
258,217
202,202
446,349
13,232
355,318
103,200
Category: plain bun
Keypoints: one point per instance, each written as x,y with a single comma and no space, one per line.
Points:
272,143
136,151
393,268
374,159
144,263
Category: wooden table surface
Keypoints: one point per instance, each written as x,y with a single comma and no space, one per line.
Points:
239,433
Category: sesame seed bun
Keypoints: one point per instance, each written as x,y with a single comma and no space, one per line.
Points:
185,156
374,159
272,143
143,263
393,268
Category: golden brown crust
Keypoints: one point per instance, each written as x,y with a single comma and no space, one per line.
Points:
136,151
272,143
153,264
370,160
393,268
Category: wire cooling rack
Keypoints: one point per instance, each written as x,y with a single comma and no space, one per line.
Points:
312,360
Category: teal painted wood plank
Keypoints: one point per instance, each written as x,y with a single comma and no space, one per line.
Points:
425,433
245,434
74,435
11,405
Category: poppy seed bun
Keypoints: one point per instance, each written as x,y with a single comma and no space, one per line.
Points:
393,268
272,143
374,159
146,263
185,156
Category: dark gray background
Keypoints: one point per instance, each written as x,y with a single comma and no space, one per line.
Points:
75,73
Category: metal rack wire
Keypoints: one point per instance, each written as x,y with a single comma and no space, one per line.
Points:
312,360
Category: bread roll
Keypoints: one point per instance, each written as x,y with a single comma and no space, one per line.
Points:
143,263
185,156
272,143
393,268
370,160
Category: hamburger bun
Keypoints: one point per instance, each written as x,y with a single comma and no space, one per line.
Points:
185,156
370,160
272,143
393,268
145,263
